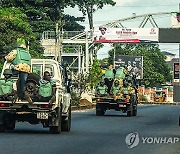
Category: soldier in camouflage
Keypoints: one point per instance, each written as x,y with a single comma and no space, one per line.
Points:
47,89
116,90
7,87
101,89
121,73
21,59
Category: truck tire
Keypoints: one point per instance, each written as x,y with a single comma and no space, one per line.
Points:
66,122
134,100
134,112
56,129
99,110
9,122
31,84
2,128
135,108
10,126
129,110
2,124
34,77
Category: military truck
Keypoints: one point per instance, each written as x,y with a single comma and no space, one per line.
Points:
56,116
128,106
126,103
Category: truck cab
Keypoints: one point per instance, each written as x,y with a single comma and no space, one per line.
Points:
56,116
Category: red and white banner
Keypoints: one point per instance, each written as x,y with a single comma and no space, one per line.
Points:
125,35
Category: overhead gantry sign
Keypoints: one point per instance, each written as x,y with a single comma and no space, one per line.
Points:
136,35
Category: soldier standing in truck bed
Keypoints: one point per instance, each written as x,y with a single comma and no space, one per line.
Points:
109,77
121,73
21,59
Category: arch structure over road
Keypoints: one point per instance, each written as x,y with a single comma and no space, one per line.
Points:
53,44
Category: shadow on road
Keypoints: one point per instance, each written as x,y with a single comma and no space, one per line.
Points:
28,131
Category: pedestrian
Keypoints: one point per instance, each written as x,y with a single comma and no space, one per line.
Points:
21,59
8,89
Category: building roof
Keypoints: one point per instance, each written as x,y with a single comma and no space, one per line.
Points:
168,53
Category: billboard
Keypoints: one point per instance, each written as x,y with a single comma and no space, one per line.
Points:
125,35
176,72
175,19
134,64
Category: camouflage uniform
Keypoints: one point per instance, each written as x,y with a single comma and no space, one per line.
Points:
116,90
21,60
101,89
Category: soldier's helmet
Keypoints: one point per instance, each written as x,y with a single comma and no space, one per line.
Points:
21,43
7,72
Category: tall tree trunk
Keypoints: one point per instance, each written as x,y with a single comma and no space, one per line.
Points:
89,9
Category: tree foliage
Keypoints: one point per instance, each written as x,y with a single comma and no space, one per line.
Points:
43,14
155,69
14,25
95,73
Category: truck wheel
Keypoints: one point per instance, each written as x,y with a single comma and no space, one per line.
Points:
99,110
2,125
10,126
135,112
130,111
56,129
9,122
2,128
66,122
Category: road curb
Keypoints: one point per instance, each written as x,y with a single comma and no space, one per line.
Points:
83,107
163,103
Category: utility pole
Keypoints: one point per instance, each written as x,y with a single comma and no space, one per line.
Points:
179,64
87,54
179,57
114,56
56,41
58,36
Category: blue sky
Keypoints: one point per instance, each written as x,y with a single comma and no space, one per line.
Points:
125,8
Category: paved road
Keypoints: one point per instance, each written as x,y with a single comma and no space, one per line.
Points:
101,135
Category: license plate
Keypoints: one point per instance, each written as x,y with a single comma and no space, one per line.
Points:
42,115
122,105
